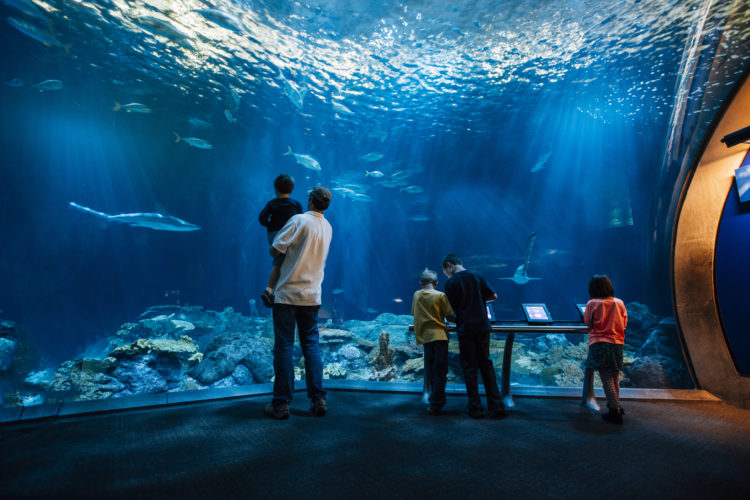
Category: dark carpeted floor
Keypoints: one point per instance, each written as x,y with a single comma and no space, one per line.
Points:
375,445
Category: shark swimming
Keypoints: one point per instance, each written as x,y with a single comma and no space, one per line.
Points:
521,276
150,220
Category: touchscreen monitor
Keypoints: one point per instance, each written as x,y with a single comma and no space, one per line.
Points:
490,313
536,313
581,309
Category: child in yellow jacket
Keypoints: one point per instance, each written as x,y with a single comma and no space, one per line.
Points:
430,309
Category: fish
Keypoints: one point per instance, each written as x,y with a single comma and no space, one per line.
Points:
164,28
344,191
521,276
193,141
16,82
150,220
28,8
371,157
295,95
361,197
378,134
375,174
306,161
337,291
163,6
221,18
397,300
485,263
235,97
392,184
371,310
49,85
541,162
357,188
229,116
341,109
133,107
198,123
400,175
413,189
46,37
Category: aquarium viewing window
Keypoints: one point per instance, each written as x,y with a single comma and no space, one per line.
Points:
536,313
742,180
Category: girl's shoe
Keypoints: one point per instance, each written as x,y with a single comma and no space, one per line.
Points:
614,416
590,405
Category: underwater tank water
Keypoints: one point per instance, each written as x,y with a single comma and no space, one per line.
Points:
492,130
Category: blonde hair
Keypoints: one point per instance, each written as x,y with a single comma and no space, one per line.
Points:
427,276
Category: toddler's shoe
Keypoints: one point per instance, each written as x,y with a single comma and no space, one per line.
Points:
267,298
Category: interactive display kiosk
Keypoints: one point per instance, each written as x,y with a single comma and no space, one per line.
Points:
581,310
490,313
536,313
538,322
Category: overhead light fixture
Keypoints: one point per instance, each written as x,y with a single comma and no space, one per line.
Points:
740,136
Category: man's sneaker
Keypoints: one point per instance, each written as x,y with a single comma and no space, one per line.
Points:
279,411
267,298
476,413
318,407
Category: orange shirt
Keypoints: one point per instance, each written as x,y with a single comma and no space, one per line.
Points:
607,319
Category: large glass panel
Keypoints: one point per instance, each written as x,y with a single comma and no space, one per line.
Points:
509,133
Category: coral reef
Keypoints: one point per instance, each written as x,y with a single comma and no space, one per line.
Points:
7,352
414,367
19,356
173,348
227,352
142,367
382,357
334,370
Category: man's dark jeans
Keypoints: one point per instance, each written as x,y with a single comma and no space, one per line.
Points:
285,317
475,356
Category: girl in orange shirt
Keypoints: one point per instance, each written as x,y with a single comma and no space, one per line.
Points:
607,318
